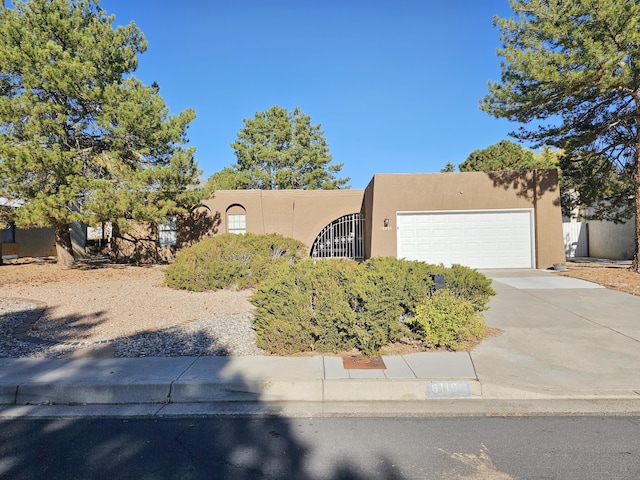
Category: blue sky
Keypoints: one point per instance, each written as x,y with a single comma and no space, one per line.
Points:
395,84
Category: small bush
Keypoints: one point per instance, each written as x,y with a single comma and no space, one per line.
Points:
335,305
446,320
466,283
386,293
304,307
236,261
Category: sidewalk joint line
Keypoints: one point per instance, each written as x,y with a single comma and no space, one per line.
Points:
172,382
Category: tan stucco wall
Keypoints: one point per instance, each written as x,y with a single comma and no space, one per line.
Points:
36,242
299,214
392,193
302,214
611,240
367,213
139,245
548,219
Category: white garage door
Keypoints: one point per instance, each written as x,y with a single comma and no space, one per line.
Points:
477,239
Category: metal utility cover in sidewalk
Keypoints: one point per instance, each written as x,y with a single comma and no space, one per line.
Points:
358,362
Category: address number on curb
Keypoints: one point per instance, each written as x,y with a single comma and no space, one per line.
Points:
448,390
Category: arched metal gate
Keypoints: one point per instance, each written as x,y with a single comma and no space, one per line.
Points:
342,238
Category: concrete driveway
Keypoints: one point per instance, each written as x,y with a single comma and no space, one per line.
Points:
561,337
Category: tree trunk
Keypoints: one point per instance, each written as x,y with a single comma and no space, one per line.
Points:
63,244
635,266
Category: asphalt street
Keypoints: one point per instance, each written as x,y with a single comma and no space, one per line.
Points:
273,447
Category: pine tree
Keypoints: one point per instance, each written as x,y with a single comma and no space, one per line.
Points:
504,155
278,150
571,75
81,139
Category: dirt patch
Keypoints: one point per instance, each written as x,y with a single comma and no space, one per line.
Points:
614,276
413,346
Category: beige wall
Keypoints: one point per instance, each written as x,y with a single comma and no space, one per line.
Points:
392,193
611,240
36,242
302,214
548,219
299,214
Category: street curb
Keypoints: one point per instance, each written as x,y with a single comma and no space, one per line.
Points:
232,390
410,409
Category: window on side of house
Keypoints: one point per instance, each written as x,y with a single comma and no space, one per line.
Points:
168,232
237,223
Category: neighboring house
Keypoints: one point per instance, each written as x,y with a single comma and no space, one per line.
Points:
31,242
41,242
599,239
478,219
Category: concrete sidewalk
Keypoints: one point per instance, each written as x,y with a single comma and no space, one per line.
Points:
562,339
219,379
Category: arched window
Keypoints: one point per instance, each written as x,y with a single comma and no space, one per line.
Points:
342,238
236,219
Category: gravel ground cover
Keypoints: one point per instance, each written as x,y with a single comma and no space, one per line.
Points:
99,309
107,310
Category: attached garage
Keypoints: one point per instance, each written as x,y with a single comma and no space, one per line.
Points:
478,238
480,219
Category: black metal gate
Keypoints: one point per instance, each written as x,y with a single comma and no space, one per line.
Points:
342,238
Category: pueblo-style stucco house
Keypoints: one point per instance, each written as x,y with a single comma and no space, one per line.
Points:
482,220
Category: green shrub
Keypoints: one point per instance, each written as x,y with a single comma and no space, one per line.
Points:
229,260
446,320
386,293
304,307
335,305
466,283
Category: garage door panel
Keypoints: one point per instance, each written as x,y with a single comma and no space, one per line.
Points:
479,239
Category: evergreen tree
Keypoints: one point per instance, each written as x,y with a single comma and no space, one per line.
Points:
81,139
571,74
278,150
448,167
504,155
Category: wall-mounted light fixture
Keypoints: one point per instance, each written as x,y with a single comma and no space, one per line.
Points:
386,222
